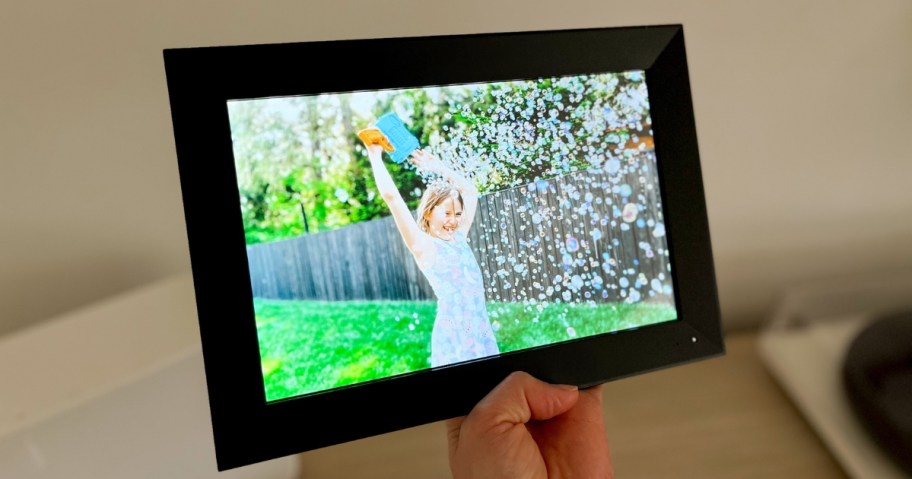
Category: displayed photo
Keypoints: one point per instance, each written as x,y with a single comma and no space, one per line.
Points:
394,231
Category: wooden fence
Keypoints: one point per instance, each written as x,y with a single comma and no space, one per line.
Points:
558,239
367,260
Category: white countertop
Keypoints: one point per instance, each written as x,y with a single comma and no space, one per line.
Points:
115,389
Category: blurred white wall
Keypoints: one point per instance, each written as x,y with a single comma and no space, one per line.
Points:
803,108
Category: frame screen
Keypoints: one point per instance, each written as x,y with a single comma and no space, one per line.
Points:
388,239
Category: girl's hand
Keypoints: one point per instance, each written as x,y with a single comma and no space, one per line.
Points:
427,162
374,141
374,150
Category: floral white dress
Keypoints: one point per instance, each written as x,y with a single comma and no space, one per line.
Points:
461,330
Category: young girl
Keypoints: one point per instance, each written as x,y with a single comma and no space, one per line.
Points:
437,240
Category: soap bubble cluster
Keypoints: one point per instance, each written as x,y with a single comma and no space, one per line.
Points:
568,243
571,210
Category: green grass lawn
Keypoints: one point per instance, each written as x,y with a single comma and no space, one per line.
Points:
309,346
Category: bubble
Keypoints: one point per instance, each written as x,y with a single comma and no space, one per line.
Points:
625,190
495,325
656,284
630,212
519,268
640,223
566,295
567,259
576,281
501,260
572,244
589,197
596,235
659,230
542,185
531,187
612,166
597,282
666,289
503,226
624,282
634,296
571,332
625,227
341,195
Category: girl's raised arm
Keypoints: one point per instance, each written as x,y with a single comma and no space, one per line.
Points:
415,240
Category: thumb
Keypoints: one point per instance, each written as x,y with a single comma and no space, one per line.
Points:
521,398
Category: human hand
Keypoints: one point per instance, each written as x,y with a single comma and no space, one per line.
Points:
374,150
425,161
374,141
526,428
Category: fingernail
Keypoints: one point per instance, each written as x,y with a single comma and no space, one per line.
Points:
566,387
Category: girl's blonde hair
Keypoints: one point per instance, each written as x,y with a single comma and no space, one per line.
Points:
433,196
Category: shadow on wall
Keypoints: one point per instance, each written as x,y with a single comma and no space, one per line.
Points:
752,284
44,291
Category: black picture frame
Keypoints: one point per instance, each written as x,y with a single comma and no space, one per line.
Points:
246,428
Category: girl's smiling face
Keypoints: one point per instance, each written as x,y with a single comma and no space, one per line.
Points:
444,219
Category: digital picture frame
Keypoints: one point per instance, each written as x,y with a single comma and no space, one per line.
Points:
551,220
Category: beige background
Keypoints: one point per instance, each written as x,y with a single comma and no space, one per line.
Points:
803,108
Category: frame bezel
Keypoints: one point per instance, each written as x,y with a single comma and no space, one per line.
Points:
246,428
